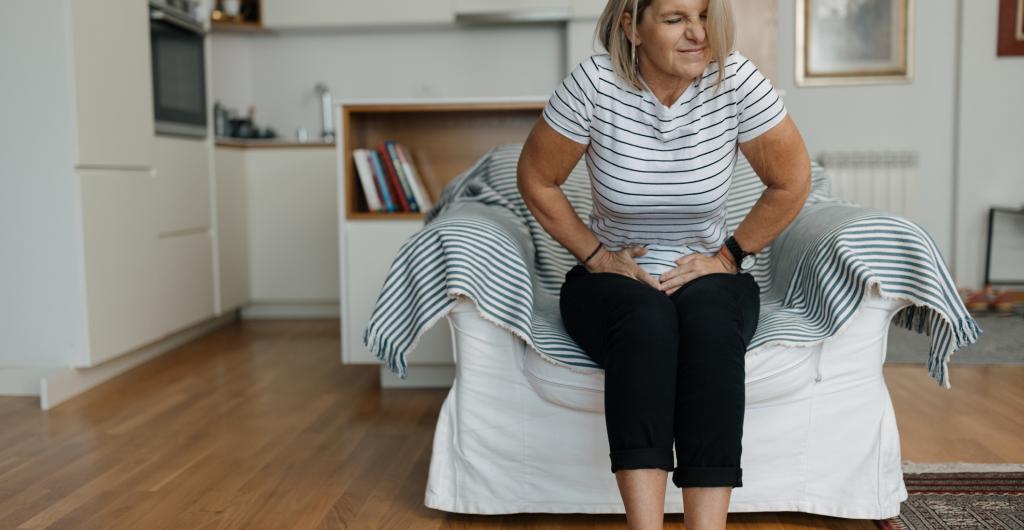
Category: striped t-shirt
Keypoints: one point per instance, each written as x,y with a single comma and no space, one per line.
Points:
660,175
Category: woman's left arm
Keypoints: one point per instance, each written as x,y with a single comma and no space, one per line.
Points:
780,159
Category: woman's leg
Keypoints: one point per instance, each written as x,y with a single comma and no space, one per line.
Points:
630,329
718,315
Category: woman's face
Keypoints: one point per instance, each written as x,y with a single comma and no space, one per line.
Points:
672,36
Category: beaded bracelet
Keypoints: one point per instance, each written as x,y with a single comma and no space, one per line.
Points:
592,254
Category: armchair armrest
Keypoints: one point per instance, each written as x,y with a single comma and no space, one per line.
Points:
835,251
473,249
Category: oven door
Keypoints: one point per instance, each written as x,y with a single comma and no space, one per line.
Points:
179,75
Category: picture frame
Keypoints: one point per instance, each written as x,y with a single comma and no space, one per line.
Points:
1011,28
854,42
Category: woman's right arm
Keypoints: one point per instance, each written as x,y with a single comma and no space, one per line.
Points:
545,163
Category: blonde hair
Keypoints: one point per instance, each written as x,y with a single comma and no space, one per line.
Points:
721,31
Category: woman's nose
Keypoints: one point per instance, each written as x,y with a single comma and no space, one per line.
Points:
695,33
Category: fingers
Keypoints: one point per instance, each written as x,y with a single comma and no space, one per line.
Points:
648,279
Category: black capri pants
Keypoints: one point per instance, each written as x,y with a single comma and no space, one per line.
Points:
674,368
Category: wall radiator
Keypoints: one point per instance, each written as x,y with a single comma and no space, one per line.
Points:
876,179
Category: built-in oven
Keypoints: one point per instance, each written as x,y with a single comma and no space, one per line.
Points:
179,69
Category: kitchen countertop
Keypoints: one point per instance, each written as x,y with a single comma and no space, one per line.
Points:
269,142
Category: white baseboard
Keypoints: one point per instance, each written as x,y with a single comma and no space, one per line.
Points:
59,385
257,310
18,381
419,376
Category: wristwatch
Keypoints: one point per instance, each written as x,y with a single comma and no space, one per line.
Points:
744,260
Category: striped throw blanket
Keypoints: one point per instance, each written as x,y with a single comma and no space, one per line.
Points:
481,241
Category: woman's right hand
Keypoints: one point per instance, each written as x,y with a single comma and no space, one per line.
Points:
622,262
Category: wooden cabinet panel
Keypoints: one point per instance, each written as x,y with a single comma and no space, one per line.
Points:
369,249
112,83
322,13
120,254
232,228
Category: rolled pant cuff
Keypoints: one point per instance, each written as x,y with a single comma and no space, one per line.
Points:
709,477
643,459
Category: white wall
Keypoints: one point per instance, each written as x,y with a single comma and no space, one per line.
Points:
277,72
42,288
917,116
991,144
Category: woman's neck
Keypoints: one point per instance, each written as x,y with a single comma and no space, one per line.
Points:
667,88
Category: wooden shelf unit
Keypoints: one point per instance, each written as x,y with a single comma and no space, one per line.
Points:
444,139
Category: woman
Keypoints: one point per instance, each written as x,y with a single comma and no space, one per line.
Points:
661,298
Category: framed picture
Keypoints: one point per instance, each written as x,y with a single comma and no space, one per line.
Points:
854,42
1011,27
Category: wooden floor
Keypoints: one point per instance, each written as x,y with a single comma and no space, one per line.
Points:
258,425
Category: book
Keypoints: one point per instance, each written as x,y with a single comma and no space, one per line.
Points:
398,196
403,178
382,185
366,179
422,199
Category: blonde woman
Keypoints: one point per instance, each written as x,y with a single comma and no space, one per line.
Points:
662,297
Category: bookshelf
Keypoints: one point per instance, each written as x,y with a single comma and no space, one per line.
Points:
444,138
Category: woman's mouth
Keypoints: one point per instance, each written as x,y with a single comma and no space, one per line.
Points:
694,51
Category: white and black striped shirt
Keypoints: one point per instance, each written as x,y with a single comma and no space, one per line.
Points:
660,175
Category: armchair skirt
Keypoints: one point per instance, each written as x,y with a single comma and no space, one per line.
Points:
517,433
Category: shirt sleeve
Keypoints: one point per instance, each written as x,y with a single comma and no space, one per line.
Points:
760,106
571,106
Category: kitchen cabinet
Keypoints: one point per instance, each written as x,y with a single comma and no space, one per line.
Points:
113,90
182,168
184,276
281,14
120,258
277,231
232,228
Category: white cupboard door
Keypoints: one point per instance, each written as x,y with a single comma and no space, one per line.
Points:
323,13
232,228
120,252
182,184
293,225
112,83
184,279
369,249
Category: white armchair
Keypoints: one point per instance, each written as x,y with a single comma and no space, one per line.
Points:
522,428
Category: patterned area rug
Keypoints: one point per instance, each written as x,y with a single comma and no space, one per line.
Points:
960,496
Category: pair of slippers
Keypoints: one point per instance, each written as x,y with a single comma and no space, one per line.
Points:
990,300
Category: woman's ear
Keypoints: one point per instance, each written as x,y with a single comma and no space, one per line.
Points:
627,28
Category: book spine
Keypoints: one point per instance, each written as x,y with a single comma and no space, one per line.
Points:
396,187
378,172
373,201
414,178
402,176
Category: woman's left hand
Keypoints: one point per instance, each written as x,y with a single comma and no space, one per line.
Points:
691,267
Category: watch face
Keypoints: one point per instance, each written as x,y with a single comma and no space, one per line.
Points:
747,262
